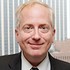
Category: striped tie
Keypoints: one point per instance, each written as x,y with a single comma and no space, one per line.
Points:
34,68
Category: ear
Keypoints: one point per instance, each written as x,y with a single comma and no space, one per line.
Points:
54,32
53,35
17,34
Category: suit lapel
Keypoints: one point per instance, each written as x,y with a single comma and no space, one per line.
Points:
15,62
52,62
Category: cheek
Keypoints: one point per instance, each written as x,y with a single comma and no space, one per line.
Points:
47,37
25,36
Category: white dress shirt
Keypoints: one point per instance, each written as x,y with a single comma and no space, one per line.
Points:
44,65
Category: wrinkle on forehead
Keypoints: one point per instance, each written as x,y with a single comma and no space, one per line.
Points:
32,4
35,10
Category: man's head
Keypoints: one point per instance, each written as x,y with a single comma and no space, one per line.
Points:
31,3
35,31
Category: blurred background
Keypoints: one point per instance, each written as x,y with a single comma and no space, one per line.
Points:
8,43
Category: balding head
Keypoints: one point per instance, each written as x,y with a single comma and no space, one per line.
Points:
31,4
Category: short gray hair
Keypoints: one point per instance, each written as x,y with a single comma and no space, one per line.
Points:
32,3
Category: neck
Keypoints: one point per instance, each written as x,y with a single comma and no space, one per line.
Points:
35,60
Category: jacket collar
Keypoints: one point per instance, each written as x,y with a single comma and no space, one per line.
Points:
15,62
51,61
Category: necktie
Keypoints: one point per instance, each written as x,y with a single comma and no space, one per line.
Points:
34,68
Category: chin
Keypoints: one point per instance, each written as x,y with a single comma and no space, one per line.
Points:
37,54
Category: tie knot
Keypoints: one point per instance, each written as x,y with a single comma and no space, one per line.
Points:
33,68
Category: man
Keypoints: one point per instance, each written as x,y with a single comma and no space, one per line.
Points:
35,34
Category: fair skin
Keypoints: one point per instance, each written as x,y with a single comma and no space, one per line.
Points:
35,33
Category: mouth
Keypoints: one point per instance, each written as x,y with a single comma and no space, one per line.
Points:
35,45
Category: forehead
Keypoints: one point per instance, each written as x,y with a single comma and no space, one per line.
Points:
35,14
35,9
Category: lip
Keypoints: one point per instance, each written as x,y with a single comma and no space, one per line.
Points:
35,43
35,46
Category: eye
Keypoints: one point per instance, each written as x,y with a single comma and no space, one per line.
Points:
28,28
44,28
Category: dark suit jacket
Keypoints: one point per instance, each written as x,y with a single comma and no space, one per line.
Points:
13,62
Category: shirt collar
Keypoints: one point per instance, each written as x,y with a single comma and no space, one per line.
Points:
45,64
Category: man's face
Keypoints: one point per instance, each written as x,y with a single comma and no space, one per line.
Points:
35,33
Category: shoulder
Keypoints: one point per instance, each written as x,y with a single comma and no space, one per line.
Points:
59,64
7,58
8,61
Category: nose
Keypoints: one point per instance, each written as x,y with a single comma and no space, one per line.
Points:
36,36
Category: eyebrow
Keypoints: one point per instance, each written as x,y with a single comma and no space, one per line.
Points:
29,24
44,24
